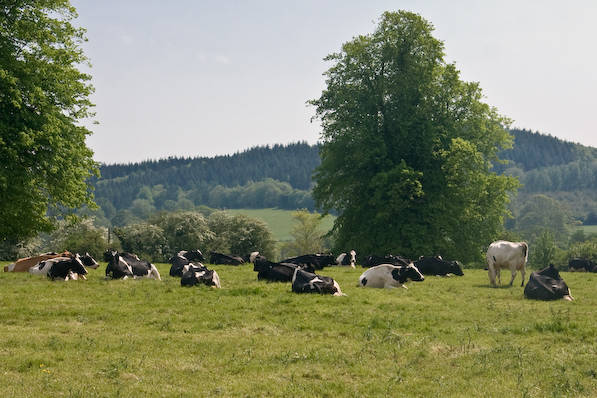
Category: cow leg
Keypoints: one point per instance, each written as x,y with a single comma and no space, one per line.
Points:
513,276
491,272
522,271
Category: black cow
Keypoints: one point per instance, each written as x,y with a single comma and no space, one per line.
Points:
317,261
581,265
194,275
67,268
225,259
183,258
307,282
277,272
373,260
127,265
547,284
438,266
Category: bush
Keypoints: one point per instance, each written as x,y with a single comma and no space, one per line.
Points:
145,240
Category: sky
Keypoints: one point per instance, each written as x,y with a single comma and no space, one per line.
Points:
193,78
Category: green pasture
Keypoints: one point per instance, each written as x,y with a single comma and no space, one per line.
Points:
444,337
588,229
280,221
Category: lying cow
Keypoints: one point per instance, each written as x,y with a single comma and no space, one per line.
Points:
183,258
437,266
44,267
317,261
349,258
581,265
307,282
198,274
225,259
507,255
373,260
23,264
250,258
61,268
127,265
547,284
277,272
390,276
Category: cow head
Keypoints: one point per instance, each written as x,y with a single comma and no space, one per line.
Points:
77,266
404,273
89,261
455,268
195,254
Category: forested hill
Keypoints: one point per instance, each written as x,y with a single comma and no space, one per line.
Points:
280,176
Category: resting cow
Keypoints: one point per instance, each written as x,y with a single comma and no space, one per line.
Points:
195,275
127,265
390,276
225,259
349,258
307,282
547,284
581,265
507,255
61,268
23,264
437,266
317,261
44,267
183,258
373,260
277,272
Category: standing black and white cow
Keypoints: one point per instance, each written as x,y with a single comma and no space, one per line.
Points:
127,265
390,276
373,260
317,261
438,266
183,258
276,272
198,274
349,258
508,255
225,259
307,282
581,265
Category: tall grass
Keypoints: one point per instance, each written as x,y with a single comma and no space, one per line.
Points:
445,337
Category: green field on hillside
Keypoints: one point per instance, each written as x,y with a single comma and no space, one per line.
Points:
589,229
280,221
443,337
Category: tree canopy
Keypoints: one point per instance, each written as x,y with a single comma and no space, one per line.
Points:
44,161
408,147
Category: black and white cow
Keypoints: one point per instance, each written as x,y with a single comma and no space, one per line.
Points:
349,258
317,261
390,276
438,266
308,282
581,265
183,258
225,259
127,265
61,268
198,274
373,260
250,258
43,268
547,284
277,272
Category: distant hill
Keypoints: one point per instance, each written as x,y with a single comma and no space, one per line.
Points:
279,176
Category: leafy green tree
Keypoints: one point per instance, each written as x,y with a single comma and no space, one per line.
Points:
81,237
306,233
184,230
239,234
540,213
408,148
44,161
145,240
544,250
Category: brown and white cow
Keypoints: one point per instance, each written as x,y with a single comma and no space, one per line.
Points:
507,255
23,264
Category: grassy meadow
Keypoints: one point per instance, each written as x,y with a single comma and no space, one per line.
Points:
589,229
444,337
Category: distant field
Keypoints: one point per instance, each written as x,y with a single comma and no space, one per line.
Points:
589,229
280,221
444,337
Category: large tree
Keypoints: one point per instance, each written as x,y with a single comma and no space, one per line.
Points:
408,147
44,160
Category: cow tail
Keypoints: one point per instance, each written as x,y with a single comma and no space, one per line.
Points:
525,250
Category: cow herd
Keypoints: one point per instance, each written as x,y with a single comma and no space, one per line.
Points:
388,271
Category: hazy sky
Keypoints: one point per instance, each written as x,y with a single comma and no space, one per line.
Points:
203,78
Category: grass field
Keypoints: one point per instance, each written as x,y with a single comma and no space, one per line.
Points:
589,229
280,221
444,337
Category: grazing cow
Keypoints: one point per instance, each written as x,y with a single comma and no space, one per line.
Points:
373,260
307,282
194,275
390,276
225,259
437,266
126,265
581,265
317,261
349,258
23,264
277,272
508,255
183,258
547,284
